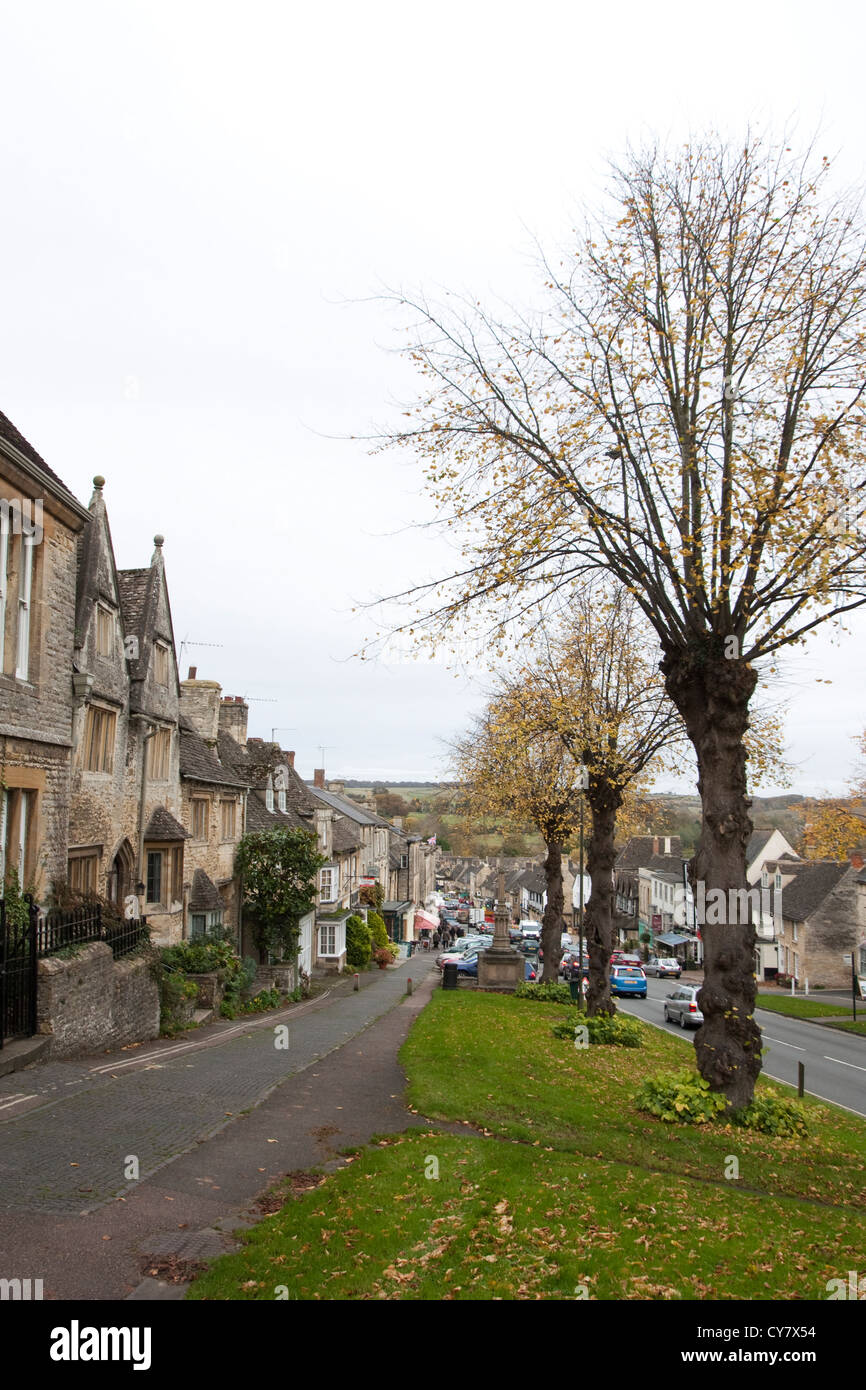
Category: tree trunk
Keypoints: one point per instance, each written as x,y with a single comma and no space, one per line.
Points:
712,694
551,922
604,803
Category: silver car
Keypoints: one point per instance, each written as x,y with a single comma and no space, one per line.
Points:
682,1007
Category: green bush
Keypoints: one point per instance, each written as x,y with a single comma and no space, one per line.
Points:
680,1098
773,1115
376,928
544,993
359,945
616,1030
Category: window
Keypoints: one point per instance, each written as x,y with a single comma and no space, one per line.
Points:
4,580
160,663
99,731
17,822
795,933
201,923
199,819
281,800
177,873
82,870
328,884
25,586
227,809
104,631
159,757
328,939
778,880
154,876
765,879
269,797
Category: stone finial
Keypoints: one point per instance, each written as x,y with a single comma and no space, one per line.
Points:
99,482
159,541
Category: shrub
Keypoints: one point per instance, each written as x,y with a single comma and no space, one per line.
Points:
376,928
614,1030
773,1115
358,943
680,1098
544,993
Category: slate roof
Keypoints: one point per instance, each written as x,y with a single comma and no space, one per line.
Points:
814,881
638,852
204,897
665,864
10,435
260,818
758,840
359,814
534,880
344,836
163,826
200,764
259,760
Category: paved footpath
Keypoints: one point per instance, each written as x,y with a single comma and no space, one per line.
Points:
211,1121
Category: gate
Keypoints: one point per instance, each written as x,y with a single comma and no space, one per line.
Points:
17,971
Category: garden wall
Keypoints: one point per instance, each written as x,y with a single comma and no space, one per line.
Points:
89,1002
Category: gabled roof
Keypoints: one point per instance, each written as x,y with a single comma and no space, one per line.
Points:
204,896
638,852
344,836
758,840
814,881
163,826
139,602
199,763
534,880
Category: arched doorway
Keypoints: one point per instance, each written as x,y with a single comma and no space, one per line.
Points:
121,875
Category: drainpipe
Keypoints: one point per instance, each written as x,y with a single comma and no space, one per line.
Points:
141,800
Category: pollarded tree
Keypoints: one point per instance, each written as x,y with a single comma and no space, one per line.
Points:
514,769
689,416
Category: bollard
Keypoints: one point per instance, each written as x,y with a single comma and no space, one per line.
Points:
806,984
409,985
357,984
792,986
801,1079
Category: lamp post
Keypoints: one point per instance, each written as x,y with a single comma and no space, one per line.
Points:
582,785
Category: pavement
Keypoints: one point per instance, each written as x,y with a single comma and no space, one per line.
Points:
211,1121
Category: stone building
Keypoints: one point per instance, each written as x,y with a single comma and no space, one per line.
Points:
821,920
40,522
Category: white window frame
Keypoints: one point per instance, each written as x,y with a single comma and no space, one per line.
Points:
25,595
269,797
281,799
333,891
329,929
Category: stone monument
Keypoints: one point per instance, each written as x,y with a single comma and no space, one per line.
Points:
500,966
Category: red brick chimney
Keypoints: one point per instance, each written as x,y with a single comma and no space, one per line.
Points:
290,758
655,844
319,778
856,858
193,672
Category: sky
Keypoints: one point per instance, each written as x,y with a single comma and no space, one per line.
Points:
202,208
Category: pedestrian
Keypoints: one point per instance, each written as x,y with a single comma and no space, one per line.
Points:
436,940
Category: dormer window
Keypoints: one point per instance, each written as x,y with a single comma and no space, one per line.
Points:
765,879
269,795
778,880
281,800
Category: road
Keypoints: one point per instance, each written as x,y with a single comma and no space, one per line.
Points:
835,1062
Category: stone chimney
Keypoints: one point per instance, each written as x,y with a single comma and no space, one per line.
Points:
319,778
667,844
233,715
397,822
200,704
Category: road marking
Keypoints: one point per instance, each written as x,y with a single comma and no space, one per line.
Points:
782,1041
7,1105
843,1064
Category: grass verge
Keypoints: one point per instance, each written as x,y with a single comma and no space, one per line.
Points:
569,1192
800,1008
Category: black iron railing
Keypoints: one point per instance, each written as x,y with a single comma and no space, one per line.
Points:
60,927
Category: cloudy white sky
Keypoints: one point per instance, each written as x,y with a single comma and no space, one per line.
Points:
200,203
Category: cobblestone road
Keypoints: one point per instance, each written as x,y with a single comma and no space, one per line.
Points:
68,1130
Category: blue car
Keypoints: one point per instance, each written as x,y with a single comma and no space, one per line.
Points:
628,979
469,966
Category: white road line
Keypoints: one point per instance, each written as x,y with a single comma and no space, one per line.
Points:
843,1064
783,1043
7,1105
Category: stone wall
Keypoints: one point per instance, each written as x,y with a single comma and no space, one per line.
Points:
89,1002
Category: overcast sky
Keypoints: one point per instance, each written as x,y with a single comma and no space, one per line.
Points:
200,203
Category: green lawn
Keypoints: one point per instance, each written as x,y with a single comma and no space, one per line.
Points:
570,1188
794,1007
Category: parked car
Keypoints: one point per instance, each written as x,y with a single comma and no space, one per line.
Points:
463,948
663,967
682,1007
571,967
469,966
628,979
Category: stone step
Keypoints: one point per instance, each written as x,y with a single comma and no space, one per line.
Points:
22,1052
202,1016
